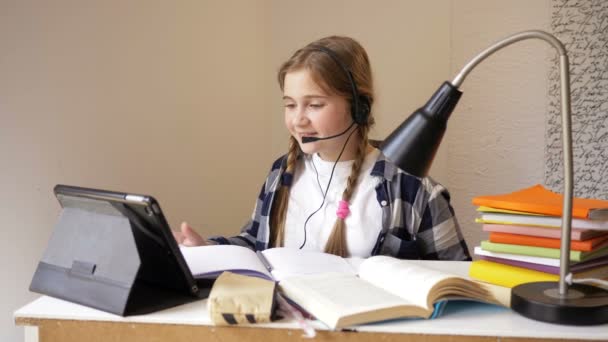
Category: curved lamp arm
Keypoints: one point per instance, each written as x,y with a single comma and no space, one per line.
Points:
412,146
566,132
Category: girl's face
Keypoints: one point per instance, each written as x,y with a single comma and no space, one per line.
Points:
310,111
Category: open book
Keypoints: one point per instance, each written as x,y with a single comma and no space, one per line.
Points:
384,288
208,262
344,292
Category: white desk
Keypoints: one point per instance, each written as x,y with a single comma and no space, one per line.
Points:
50,319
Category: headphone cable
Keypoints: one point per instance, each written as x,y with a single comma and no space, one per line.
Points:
331,175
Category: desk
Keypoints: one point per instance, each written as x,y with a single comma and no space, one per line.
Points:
49,319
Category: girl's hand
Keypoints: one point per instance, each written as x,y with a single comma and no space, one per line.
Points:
188,237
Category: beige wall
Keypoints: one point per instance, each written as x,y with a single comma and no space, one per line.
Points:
157,97
495,138
179,100
408,51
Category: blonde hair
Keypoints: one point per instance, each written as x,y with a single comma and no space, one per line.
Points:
332,79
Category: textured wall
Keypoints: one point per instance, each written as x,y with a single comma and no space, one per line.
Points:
496,135
582,27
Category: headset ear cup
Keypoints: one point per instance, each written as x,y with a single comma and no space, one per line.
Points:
363,110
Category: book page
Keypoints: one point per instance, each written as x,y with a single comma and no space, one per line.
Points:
346,298
347,293
210,261
288,262
355,263
402,278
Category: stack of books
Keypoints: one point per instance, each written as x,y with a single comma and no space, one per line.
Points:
525,236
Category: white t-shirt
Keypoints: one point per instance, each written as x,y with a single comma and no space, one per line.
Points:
363,224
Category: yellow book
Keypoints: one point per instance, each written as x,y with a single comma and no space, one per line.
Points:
506,275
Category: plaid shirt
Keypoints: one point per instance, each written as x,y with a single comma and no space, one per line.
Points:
418,221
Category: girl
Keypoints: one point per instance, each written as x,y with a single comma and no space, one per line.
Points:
334,191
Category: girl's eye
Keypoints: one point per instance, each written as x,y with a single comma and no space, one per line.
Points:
317,105
290,105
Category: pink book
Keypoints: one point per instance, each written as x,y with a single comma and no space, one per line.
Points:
576,234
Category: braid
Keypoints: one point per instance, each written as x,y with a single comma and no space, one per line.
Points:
336,244
279,212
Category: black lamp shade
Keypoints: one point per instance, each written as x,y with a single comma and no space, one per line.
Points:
413,145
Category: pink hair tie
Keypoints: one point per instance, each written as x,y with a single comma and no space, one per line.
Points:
343,210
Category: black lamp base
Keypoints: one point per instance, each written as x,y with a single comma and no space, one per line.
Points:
582,305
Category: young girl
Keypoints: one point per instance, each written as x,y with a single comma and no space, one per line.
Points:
334,191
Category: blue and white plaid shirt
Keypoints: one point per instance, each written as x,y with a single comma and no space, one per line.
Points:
418,221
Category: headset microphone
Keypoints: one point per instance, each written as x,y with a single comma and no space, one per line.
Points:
313,139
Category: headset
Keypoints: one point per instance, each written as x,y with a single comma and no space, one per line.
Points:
360,105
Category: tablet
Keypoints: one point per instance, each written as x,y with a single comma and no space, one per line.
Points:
115,251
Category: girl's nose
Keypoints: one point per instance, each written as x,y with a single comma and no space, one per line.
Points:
301,117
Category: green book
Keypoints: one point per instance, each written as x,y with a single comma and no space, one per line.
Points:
542,251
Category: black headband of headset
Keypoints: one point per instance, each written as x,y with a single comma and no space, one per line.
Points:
348,73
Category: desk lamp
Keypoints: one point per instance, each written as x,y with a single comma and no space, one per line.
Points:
412,147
